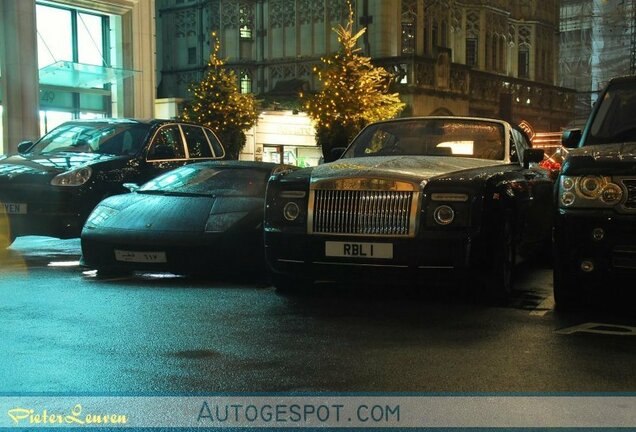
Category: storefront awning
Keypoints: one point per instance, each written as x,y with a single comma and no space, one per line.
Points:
80,75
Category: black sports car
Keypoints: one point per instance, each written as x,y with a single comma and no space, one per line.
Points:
408,198
595,226
201,218
50,187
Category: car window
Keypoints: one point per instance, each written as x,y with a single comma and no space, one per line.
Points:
431,137
518,143
615,120
197,142
219,151
205,180
167,144
94,137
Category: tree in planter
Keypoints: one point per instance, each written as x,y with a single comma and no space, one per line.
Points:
217,103
354,93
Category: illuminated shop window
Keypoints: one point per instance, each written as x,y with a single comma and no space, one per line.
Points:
246,83
67,34
246,20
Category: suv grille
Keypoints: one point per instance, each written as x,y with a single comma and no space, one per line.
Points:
363,212
630,185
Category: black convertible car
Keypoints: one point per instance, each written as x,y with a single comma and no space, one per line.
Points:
410,198
51,186
595,226
201,218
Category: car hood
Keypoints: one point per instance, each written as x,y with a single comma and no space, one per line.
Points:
409,168
175,213
602,158
49,164
608,152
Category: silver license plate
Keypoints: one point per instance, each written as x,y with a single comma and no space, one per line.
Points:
140,257
15,208
359,250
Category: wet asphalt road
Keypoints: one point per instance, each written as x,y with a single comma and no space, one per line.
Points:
65,330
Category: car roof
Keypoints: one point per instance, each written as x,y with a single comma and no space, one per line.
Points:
244,164
622,79
151,121
399,119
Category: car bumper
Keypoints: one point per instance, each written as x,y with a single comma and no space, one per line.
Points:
57,213
412,258
177,252
595,247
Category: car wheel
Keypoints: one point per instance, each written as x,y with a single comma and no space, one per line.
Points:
499,283
563,287
290,284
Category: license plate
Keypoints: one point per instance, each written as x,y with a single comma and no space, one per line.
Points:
15,208
358,250
140,257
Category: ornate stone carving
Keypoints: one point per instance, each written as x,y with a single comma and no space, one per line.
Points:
338,10
310,11
473,23
185,23
282,13
230,14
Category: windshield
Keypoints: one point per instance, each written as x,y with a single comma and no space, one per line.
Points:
615,120
200,179
104,138
431,137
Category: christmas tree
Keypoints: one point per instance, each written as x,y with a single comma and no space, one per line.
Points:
217,103
354,93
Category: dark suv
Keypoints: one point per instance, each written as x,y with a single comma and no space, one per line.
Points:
595,227
51,186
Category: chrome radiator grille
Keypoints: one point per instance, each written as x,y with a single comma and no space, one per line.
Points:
363,212
630,185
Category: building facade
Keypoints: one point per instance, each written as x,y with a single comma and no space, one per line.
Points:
67,59
494,58
598,42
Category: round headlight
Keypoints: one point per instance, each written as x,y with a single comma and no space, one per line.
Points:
611,194
568,183
291,211
568,198
591,186
443,215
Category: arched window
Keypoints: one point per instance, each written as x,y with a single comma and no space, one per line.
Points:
246,83
523,62
409,26
472,38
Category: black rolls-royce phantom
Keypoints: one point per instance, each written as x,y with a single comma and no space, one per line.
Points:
410,197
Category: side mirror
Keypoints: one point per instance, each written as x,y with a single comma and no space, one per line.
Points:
162,151
132,187
532,155
24,146
571,138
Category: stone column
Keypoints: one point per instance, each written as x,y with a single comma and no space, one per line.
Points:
139,46
19,62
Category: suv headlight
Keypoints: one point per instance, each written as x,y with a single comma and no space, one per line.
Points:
589,191
76,177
